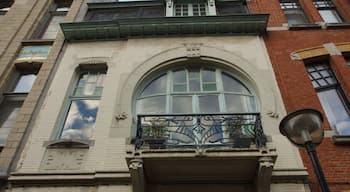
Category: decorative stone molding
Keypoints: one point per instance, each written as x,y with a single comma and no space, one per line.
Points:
263,179
121,116
193,49
332,49
63,159
309,53
343,47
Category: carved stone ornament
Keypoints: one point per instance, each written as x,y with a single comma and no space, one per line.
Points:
121,116
136,164
169,3
193,49
211,3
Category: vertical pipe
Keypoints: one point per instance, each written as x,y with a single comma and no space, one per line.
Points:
317,167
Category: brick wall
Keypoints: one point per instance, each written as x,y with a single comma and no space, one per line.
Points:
295,85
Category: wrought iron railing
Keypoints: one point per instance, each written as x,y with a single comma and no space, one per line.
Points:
199,131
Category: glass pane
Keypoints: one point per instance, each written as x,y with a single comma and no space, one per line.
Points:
80,119
315,75
179,76
182,104
53,27
25,83
239,103
89,84
334,109
232,85
208,76
195,85
325,73
322,82
209,104
295,18
180,88
330,16
209,86
9,112
151,105
156,86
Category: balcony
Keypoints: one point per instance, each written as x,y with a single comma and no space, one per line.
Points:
200,148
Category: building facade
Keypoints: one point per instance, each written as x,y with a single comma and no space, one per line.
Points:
29,47
168,95
308,44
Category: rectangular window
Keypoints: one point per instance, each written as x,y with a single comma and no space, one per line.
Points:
13,100
293,12
231,7
190,9
53,19
328,11
331,97
83,106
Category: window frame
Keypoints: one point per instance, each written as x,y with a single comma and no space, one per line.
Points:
48,17
328,5
190,9
169,94
293,7
336,86
100,68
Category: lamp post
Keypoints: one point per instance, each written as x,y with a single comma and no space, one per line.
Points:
304,128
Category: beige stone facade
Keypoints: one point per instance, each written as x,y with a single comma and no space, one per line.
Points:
129,62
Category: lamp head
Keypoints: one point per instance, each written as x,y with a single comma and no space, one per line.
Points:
303,126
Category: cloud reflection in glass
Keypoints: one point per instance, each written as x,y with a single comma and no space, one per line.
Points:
80,119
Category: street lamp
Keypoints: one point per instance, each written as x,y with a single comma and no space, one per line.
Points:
304,128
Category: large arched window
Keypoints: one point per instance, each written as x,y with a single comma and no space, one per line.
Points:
198,90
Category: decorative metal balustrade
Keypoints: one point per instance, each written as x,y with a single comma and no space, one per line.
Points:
199,131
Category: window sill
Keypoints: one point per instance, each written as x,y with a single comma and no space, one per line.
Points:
69,143
304,26
341,139
337,25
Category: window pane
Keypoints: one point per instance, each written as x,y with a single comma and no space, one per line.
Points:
295,18
156,86
334,109
330,16
25,83
208,76
90,84
182,104
154,105
80,119
232,85
209,104
53,27
179,76
180,88
9,112
239,103
195,85
209,86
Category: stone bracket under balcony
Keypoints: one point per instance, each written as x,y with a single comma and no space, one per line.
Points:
212,166
122,29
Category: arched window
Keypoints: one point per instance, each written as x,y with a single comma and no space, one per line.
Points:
195,90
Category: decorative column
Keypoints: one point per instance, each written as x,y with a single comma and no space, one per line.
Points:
137,175
264,173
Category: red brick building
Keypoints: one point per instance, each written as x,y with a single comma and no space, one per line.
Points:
309,44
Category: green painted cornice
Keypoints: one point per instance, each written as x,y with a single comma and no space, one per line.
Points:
122,29
112,5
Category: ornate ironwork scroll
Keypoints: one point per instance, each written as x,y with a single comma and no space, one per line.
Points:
199,131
